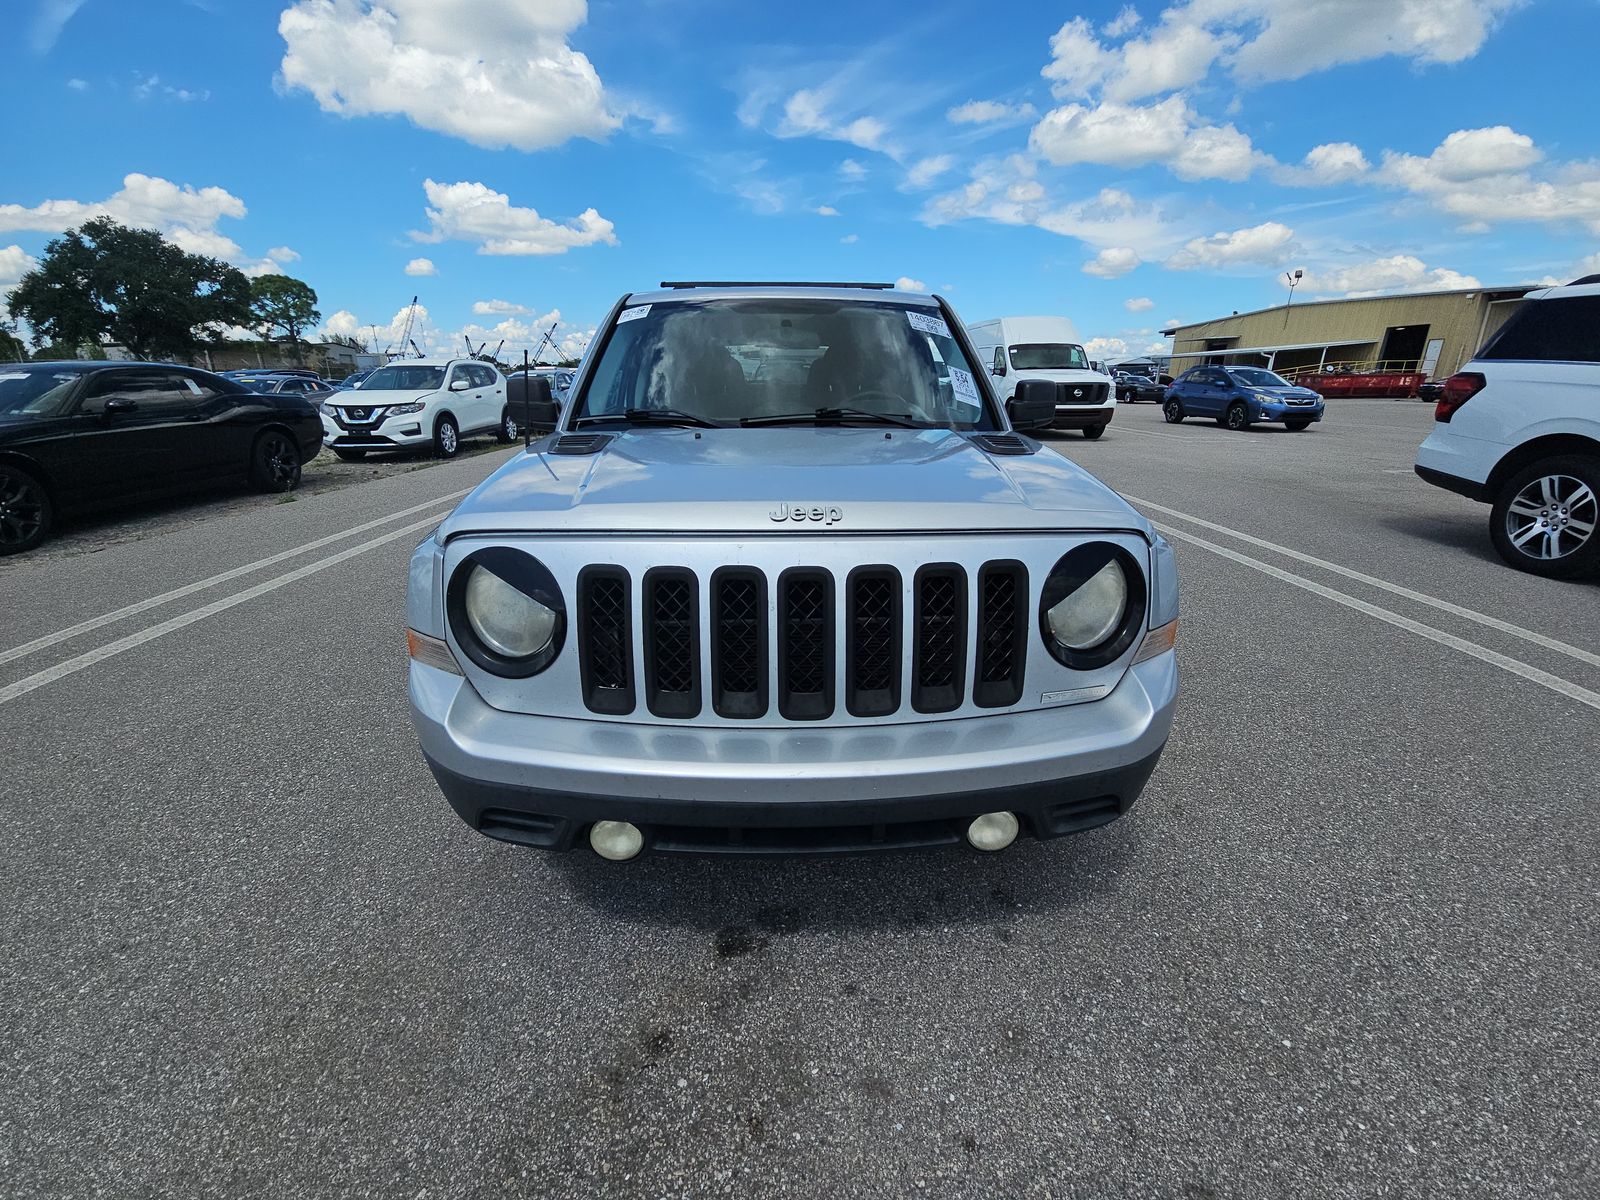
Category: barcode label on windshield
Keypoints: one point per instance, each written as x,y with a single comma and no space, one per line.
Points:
923,323
633,314
963,385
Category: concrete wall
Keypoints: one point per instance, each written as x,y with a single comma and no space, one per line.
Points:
1461,319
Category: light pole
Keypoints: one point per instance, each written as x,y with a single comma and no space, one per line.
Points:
1294,277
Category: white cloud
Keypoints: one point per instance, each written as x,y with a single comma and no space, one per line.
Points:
283,254
850,239
906,284
472,212
1078,62
78,85
1106,349
1217,152
421,266
805,114
1174,55
1397,273
185,215
1124,23
1112,262
990,112
1467,154
491,308
1128,135
1139,304
495,75
851,169
149,86
925,170
14,264
341,324
49,21
1267,244
826,210
1326,165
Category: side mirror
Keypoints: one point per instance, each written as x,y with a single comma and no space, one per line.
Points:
531,402
120,406
460,385
998,369
1034,405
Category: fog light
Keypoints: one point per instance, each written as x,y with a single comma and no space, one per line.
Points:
617,840
993,831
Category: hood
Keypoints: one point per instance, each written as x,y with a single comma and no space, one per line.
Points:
1069,375
752,480
1286,392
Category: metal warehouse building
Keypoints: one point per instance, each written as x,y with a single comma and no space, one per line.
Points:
1423,335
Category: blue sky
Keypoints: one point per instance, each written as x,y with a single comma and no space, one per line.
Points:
1124,165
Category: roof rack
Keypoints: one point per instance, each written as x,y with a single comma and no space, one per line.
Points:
802,283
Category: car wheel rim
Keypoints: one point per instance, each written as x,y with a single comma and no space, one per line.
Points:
281,460
447,438
1236,418
1172,411
511,428
21,510
1552,517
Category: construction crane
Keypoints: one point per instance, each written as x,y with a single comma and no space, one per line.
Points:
405,332
549,340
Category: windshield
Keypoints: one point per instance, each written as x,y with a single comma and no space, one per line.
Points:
401,378
34,393
726,361
1049,356
1258,377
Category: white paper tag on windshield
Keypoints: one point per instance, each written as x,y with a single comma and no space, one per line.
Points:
13,375
633,314
963,385
923,323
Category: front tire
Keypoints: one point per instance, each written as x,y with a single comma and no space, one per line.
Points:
275,463
1093,431
509,430
1237,418
446,437
26,516
1297,426
1546,518
349,455
1172,410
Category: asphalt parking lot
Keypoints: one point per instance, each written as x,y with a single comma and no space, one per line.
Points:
1344,945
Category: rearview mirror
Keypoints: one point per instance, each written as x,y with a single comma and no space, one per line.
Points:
531,402
1034,405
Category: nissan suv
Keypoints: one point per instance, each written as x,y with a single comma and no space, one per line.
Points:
1518,428
418,403
786,577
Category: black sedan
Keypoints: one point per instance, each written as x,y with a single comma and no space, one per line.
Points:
76,436
1133,387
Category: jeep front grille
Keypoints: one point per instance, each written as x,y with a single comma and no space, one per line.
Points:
880,621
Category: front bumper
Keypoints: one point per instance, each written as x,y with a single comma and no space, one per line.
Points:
1290,412
392,433
540,781
1083,416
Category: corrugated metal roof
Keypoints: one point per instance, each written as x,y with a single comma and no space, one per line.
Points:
1274,349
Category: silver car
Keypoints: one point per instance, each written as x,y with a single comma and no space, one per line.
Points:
786,578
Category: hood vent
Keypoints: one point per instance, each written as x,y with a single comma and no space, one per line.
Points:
580,443
1002,443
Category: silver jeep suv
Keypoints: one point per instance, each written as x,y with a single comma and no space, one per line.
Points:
785,578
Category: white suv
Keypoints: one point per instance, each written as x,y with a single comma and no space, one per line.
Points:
1519,428
418,402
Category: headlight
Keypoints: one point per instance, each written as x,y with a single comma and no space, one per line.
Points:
328,410
400,410
1092,613
1093,606
1267,398
506,612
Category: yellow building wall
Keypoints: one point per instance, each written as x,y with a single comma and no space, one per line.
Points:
1461,320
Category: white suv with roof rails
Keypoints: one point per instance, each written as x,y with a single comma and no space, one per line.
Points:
1519,428
416,402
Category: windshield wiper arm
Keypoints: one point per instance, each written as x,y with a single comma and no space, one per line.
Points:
824,415
650,416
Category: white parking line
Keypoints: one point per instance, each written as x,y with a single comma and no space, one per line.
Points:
89,658
188,589
1516,666
1527,635
1171,437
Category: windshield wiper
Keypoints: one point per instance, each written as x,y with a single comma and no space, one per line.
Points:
650,416
822,416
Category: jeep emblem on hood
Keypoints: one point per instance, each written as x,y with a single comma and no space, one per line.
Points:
801,512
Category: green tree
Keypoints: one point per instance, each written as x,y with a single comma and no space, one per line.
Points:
105,282
283,307
11,347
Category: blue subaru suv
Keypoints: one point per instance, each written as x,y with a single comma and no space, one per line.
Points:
1239,396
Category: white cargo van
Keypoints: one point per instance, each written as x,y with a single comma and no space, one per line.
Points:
1019,348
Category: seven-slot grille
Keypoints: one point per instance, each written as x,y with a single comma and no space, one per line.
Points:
795,621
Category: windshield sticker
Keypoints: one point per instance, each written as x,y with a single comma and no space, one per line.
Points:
963,385
13,375
633,314
923,323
